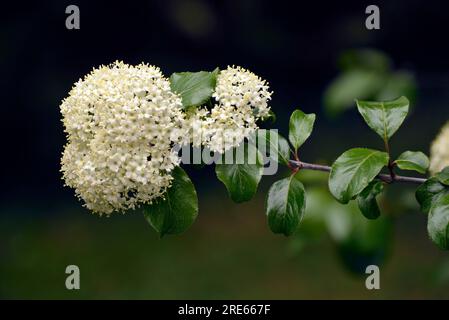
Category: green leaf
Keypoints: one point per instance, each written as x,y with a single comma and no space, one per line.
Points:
195,88
429,193
385,117
413,160
278,145
286,203
367,202
340,94
353,171
300,127
179,209
438,223
241,180
443,176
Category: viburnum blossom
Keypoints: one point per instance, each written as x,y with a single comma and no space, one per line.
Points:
439,151
121,123
241,99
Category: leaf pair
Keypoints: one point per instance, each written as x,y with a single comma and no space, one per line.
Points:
300,128
352,174
286,200
353,171
385,118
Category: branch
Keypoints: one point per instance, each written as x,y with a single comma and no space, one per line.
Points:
387,178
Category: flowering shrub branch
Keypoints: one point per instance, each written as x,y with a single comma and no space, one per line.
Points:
122,123
387,178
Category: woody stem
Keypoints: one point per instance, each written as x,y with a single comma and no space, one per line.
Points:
387,178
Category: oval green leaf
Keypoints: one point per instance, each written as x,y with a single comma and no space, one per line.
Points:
353,171
384,117
195,88
413,160
300,127
429,193
438,223
241,179
443,176
286,203
367,202
179,209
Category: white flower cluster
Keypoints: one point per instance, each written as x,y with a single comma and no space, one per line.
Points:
121,123
439,151
242,99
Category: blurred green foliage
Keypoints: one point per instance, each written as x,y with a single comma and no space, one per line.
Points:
358,240
228,254
366,74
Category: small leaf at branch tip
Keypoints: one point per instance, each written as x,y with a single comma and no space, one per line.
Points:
384,117
413,160
300,127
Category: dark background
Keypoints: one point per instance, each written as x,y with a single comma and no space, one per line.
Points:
294,45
